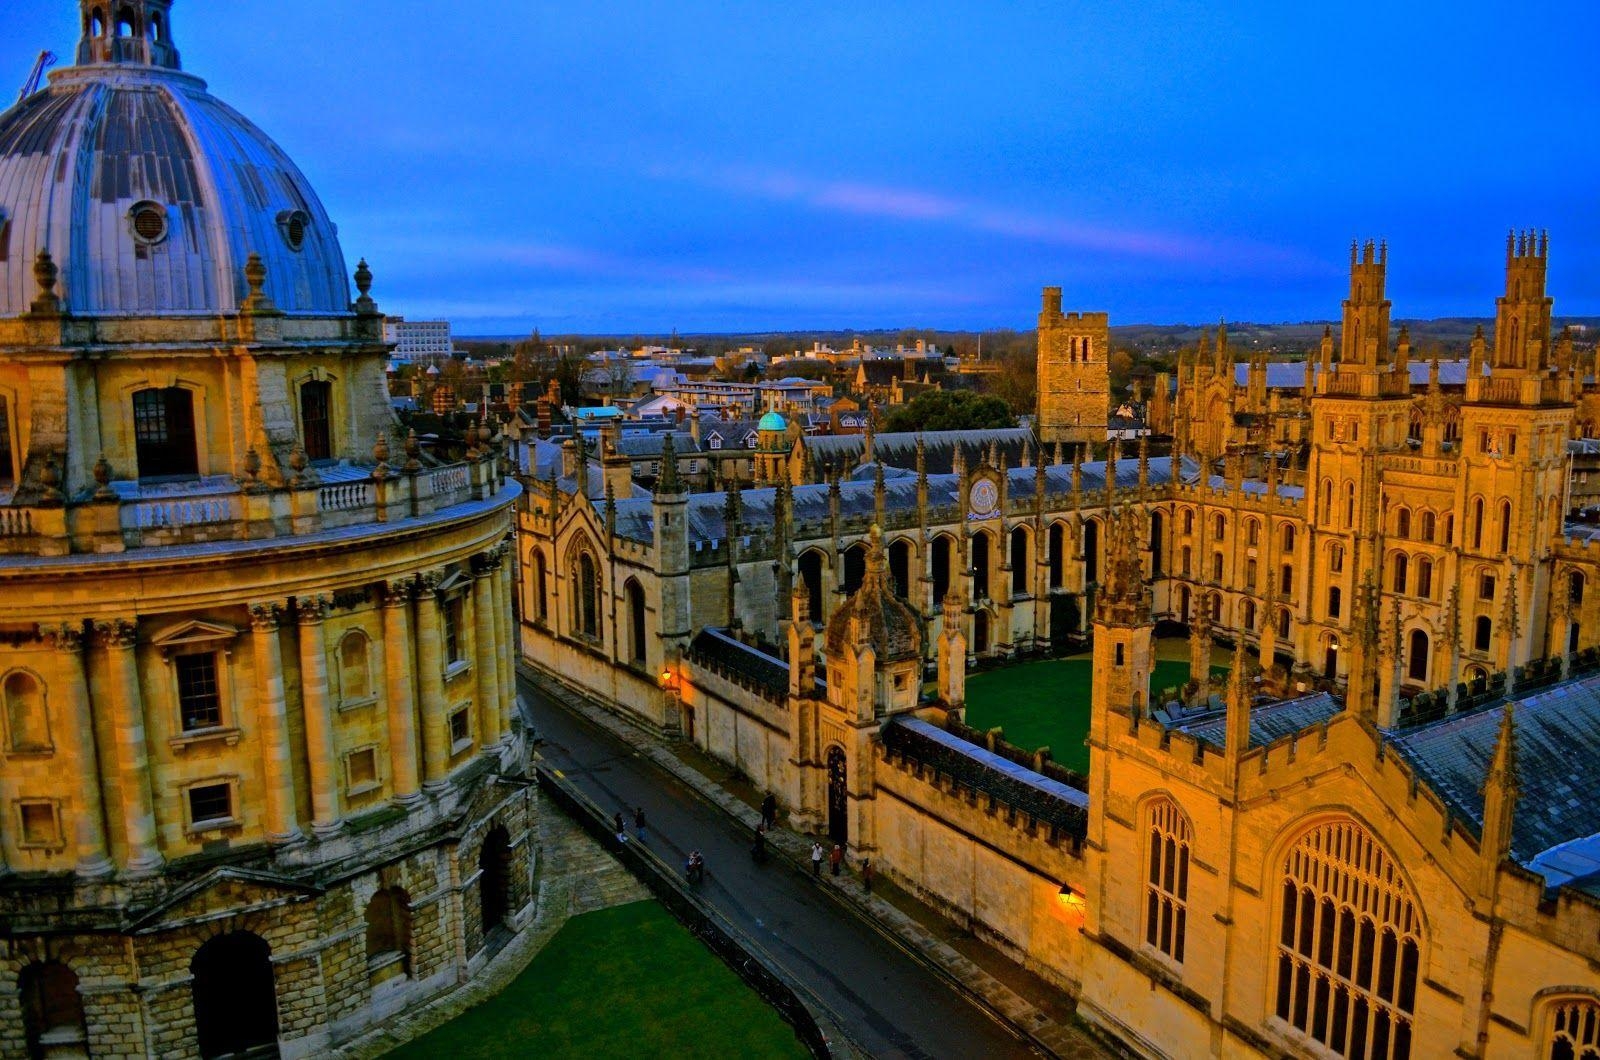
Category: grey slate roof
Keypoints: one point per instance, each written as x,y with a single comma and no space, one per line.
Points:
648,446
1267,723
1291,375
740,660
1558,760
900,447
981,770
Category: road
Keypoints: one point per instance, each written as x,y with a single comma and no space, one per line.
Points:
888,1002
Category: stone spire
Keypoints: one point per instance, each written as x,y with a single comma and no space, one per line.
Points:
1500,790
1122,599
668,482
1237,729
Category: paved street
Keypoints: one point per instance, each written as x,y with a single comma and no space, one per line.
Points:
892,1005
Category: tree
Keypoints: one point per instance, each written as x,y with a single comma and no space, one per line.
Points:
950,410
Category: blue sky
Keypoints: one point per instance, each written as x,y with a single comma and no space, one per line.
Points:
635,167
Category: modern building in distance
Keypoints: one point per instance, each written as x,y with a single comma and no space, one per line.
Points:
261,785
417,340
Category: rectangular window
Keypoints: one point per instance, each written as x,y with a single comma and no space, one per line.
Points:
361,770
460,730
199,702
1286,582
452,630
209,803
1486,587
39,825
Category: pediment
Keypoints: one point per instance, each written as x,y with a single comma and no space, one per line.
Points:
193,631
226,890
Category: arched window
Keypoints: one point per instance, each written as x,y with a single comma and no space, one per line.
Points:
127,23
1058,553
634,593
1450,529
980,565
586,596
1249,614
1349,944
1335,559
1334,600
1425,577
1166,879
1158,524
1349,504
1186,561
1482,633
355,667
1252,533
388,935
1283,623
1505,527
1019,560
1188,520
1091,552
1219,528
1575,587
163,433
1477,523
1288,537
27,720
541,588
1286,579
1417,659
1216,567
1402,523
494,879
8,466
942,572
52,1010
315,421
1401,564
1427,526
1183,602
1326,507
235,995
1574,1030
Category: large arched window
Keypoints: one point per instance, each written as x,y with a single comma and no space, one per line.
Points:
1417,657
163,433
811,577
388,935
980,565
1019,561
1574,1032
1166,879
586,595
355,667
52,1010
900,567
1158,525
855,567
1058,553
634,593
27,721
1349,944
1091,552
316,420
1505,527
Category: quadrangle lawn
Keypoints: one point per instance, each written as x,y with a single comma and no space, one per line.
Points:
1046,704
624,981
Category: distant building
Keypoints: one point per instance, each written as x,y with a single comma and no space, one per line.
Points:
418,340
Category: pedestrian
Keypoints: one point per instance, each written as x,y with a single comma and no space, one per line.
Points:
866,875
617,826
758,849
836,859
638,823
697,867
816,859
769,811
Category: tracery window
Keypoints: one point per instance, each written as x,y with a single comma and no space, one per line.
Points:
1574,1030
586,600
1167,879
1349,944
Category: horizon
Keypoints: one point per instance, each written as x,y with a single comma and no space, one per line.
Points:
747,172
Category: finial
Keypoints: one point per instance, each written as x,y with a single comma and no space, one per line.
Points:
413,451
102,477
46,274
255,278
364,304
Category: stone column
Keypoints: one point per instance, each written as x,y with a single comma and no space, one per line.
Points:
398,658
505,658
315,706
272,716
484,651
430,683
121,637
90,828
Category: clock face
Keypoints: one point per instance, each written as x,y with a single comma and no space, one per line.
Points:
983,497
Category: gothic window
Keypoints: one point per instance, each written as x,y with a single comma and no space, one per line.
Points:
27,722
1505,527
163,433
1335,559
1186,560
586,596
1286,581
1250,574
541,589
1575,587
8,468
315,429
1157,546
1288,537
1427,526
1283,623
980,565
1333,601
1477,523
855,568
1486,585
1249,615
1091,552
1058,547
1400,570
1019,560
1219,528
355,667
199,692
1188,520
1326,506
1167,879
1349,504
1402,523
1349,944
1216,567
636,622
1417,658
1482,633
210,805
1252,533
1574,1030
1425,577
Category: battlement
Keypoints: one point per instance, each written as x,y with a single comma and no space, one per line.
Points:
1527,246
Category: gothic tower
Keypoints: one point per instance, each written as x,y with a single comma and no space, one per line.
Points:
1073,373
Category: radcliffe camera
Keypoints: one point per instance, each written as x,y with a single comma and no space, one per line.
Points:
637,530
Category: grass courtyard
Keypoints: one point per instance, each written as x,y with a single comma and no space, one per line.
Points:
1046,704
624,981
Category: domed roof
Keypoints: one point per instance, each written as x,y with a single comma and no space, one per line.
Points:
887,623
150,194
772,421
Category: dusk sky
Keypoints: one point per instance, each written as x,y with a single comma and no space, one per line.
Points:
628,168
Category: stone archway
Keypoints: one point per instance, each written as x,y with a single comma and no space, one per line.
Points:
235,997
494,879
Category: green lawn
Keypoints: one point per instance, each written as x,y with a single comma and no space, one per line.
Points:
1046,704
625,981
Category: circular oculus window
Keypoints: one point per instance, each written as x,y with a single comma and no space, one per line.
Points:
293,224
149,221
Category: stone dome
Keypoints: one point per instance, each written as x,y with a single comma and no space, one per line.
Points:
150,194
889,625
772,421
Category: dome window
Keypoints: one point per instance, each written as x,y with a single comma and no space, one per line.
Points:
293,225
149,220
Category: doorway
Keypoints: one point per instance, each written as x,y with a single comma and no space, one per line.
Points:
838,797
235,997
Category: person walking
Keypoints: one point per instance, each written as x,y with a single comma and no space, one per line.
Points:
816,860
638,823
836,859
618,827
769,811
866,875
758,849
